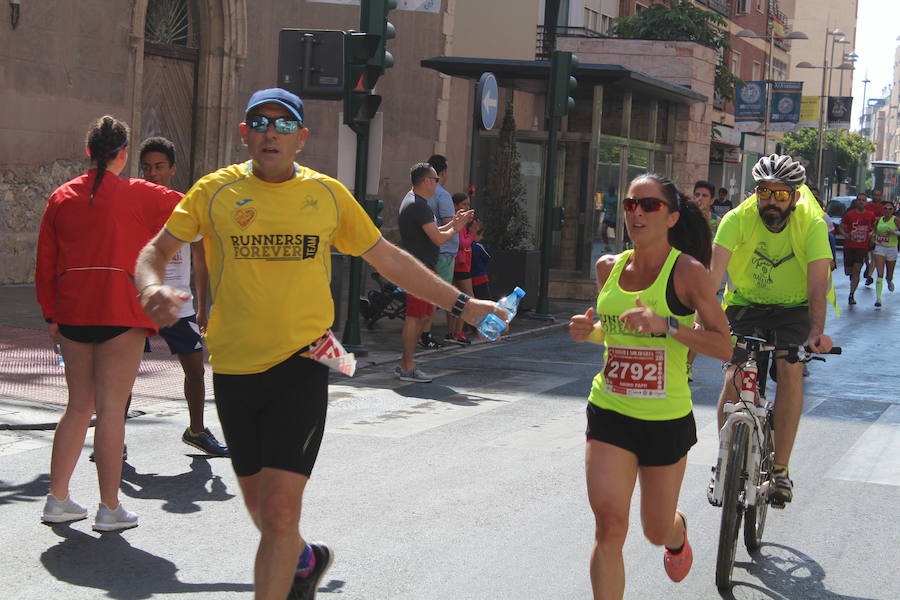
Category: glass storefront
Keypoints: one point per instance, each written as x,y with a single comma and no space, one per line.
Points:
630,135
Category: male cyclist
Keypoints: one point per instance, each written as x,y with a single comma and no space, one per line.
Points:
775,248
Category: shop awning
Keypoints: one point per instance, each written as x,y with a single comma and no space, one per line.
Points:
532,75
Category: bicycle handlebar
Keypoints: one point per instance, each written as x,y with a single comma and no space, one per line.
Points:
795,352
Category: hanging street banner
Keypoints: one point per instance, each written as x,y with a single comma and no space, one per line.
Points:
750,106
839,112
809,111
432,6
784,111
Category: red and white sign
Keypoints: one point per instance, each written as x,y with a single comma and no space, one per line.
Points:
635,372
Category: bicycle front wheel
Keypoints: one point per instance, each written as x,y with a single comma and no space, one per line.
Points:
755,516
732,508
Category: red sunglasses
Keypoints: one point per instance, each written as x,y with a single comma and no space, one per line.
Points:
647,204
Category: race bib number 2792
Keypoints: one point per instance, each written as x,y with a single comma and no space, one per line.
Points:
635,372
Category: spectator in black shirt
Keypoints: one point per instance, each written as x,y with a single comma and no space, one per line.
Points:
722,204
421,237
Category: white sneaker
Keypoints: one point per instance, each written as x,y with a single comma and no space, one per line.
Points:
114,520
62,511
415,374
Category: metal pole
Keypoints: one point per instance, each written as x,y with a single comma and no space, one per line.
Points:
768,95
351,336
819,178
542,312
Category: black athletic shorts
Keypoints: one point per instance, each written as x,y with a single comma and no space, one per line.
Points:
91,334
655,443
854,256
775,324
275,418
184,336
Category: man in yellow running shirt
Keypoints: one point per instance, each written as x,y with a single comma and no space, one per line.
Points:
775,248
267,226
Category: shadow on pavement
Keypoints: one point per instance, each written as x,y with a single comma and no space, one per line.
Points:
786,573
34,490
111,564
181,492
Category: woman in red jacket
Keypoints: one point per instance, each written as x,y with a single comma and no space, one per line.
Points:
91,233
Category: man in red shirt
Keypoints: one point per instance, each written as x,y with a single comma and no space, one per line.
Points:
873,206
858,225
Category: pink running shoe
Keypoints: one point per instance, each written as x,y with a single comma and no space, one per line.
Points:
679,565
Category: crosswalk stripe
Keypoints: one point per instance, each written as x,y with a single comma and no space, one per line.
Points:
875,457
562,432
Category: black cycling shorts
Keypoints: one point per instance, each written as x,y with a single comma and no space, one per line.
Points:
275,418
91,334
655,443
775,324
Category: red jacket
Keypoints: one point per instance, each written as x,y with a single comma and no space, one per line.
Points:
87,250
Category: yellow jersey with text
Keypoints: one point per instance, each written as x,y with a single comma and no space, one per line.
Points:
268,250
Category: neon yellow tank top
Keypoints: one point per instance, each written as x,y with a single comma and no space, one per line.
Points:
884,235
644,376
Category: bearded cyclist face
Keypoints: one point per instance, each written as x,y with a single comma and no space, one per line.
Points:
775,203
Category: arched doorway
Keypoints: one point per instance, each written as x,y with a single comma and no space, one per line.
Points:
218,51
171,59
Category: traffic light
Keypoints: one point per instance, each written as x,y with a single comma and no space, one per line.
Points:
374,206
311,62
366,59
359,103
373,21
562,83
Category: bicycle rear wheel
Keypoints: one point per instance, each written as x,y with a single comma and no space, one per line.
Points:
735,476
755,516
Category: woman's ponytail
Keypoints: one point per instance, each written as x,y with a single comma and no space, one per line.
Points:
106,137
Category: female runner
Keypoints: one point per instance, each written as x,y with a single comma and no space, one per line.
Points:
640,420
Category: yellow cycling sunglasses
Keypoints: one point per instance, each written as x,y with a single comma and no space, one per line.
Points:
780,195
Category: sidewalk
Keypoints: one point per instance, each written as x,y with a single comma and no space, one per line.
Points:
32,382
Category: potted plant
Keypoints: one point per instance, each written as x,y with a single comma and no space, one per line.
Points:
507,232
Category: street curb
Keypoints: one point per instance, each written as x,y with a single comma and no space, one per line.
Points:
475,344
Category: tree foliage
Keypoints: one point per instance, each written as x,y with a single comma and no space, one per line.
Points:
506,225
850,149
682,21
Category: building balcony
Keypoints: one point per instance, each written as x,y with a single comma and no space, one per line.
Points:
546,38
723,7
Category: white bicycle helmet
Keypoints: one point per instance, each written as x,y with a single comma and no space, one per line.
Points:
779,169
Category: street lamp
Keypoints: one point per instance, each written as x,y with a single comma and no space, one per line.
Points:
749,33
829,34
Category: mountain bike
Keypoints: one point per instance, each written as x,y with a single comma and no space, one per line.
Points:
743,470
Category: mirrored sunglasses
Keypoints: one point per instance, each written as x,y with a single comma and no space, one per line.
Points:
780,195
261,124
646,204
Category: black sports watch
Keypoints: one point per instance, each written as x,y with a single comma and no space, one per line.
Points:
673,326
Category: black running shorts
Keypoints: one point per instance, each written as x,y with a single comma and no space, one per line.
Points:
91,334
775,324
275,418
655,443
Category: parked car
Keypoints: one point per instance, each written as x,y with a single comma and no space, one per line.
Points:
835,209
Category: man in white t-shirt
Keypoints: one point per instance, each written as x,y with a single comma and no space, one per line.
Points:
157,159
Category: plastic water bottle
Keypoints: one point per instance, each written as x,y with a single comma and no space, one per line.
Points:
59,357
491,326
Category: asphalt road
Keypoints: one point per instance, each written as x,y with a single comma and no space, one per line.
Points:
472,487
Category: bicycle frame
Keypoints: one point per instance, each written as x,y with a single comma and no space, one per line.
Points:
752,408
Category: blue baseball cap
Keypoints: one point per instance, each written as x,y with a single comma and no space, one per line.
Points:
290,101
